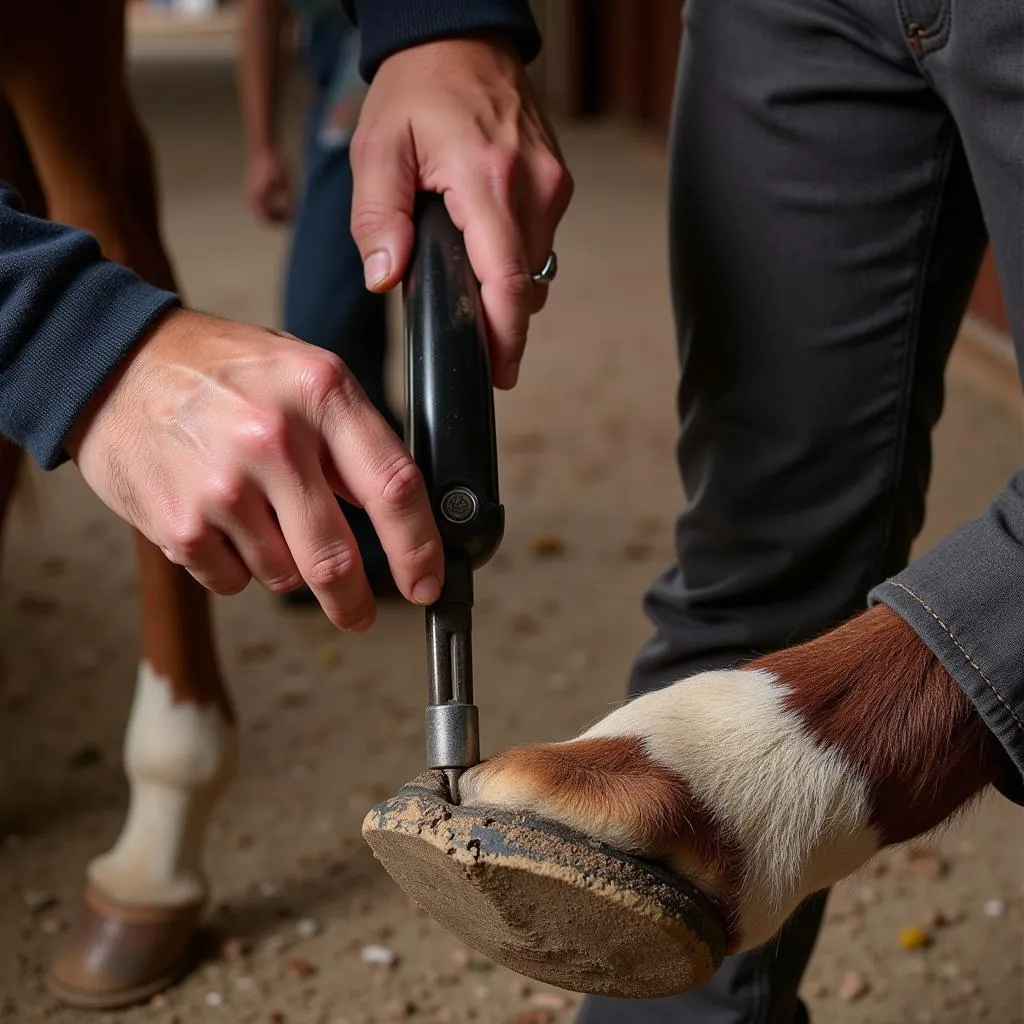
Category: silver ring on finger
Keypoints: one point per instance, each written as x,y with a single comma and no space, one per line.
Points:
548,272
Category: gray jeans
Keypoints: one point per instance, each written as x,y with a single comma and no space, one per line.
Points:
838,166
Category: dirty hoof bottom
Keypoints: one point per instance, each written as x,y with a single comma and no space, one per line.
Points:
544,900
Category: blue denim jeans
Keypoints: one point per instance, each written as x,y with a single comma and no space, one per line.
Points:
326,302
837,169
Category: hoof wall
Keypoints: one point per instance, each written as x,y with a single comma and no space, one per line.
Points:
119,954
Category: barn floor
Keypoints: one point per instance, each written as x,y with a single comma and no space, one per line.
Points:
330,723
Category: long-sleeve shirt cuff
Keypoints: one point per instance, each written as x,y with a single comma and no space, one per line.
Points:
387,26
68,318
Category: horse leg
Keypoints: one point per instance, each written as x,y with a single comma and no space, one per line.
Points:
144,896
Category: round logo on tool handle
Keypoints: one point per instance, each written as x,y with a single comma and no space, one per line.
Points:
459,506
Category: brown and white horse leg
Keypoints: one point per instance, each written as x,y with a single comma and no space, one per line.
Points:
145,896
62,69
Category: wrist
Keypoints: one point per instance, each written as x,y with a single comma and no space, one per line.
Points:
101,400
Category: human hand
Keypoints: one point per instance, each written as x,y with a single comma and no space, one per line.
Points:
765,784
226,444
459,117
268,186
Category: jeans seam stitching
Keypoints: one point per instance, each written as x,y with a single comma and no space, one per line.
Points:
944,153
970,661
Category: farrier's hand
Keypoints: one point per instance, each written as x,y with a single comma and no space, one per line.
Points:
225,445
459,117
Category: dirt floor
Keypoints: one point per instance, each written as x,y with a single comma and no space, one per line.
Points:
330,724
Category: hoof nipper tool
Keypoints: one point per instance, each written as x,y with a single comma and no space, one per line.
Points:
451,433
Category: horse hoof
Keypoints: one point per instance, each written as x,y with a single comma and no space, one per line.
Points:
118,954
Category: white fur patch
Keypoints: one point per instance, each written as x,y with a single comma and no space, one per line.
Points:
179,759
798,810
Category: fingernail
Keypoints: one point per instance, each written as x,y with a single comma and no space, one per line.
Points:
427,591
364,624
512,374
377,267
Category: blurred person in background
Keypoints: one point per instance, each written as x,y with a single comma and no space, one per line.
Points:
326,302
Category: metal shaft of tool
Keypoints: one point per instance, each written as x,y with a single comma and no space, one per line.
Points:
453,729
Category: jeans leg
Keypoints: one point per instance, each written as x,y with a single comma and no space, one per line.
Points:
327,304
964,596
825,237
326,301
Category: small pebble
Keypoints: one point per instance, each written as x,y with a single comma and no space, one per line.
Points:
50,925
547,545
233,950
913,937
994,908
213,999
939,918
269,889
461,957
549,1001
245,983
159,1001
307,928
921,860
327,656
636,551
524,624
379,955
852,986
37,900
533,1017
300,966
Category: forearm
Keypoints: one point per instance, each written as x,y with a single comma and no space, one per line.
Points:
388,26
259,71
68,318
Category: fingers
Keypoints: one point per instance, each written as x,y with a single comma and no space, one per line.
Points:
547,191
255,534
208,556
482,209
508,216
383,195
381,476
325,551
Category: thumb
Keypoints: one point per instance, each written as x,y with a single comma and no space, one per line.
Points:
383,193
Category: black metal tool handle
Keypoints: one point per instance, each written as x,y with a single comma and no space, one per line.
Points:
451,433
449,400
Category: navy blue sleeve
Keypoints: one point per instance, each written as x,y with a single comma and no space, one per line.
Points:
387,26
68,317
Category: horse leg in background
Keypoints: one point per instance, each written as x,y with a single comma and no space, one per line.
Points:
62,67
